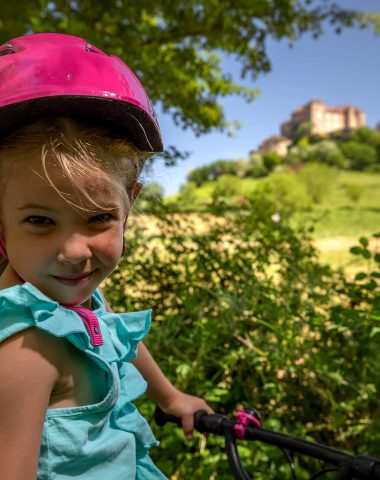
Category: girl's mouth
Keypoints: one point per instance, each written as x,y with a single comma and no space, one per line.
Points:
75,280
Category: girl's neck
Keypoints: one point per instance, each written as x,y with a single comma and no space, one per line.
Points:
9,278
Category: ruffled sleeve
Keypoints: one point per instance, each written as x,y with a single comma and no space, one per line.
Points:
23,306
122,333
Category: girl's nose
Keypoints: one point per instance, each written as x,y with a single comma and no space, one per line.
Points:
74,250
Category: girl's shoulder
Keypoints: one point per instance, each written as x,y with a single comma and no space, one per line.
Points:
21,306
28,374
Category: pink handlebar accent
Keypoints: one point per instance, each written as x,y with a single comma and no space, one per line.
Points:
243,420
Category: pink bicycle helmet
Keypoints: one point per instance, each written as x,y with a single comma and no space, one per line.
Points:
50,74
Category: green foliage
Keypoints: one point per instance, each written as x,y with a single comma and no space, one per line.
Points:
226,188
318,179
367,136
256,167
285,192
327,152
187,197
213,171
323,151
298,154
303,131
175,47
246,315
354,192
359,155
150,196
271,160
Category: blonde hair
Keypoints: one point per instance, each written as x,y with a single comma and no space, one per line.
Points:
81,150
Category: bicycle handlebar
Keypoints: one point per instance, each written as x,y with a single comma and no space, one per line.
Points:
349,466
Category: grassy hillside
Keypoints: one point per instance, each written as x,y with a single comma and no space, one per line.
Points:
349,206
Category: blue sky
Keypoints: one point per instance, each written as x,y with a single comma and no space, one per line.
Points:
338,69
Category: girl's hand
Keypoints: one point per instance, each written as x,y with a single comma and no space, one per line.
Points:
184,406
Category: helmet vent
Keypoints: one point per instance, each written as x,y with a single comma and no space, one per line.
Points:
7,49
91,48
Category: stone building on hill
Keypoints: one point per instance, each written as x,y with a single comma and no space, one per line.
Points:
275,143
324,119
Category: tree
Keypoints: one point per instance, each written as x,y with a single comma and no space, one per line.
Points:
359,155
367,136
149,197
271,160
326,151
175,46
303,131
215,170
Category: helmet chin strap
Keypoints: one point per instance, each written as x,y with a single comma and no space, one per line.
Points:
3,250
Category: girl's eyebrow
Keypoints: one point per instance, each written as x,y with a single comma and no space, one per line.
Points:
36,206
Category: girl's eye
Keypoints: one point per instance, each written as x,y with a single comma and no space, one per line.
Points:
102,218
39,220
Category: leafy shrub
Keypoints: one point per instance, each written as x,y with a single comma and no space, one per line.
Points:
318,179
328,152
216,169
150,195
271,160
187,197
354,191
366,136
324,151
246,315
286,193
256,166
360,156
226,194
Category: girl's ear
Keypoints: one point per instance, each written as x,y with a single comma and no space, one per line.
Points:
135,192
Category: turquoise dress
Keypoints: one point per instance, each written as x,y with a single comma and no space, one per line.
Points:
109,440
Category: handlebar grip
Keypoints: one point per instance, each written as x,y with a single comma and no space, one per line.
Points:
376,472
161,418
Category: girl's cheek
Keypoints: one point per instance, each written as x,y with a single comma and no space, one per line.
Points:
112,244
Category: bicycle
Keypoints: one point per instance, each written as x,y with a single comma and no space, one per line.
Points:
248,427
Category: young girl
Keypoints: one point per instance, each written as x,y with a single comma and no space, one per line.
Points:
76,127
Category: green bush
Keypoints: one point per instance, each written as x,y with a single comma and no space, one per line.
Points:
354,192
246,315
150,195
360,156
226,194
286,193
324,151
366,136
318,179
271,160
256,167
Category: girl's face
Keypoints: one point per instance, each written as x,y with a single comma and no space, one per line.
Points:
63,251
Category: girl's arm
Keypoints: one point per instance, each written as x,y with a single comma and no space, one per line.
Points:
27,377
163,392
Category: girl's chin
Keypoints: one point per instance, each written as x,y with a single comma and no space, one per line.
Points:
70,299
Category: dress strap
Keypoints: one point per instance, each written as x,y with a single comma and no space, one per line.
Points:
92,323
